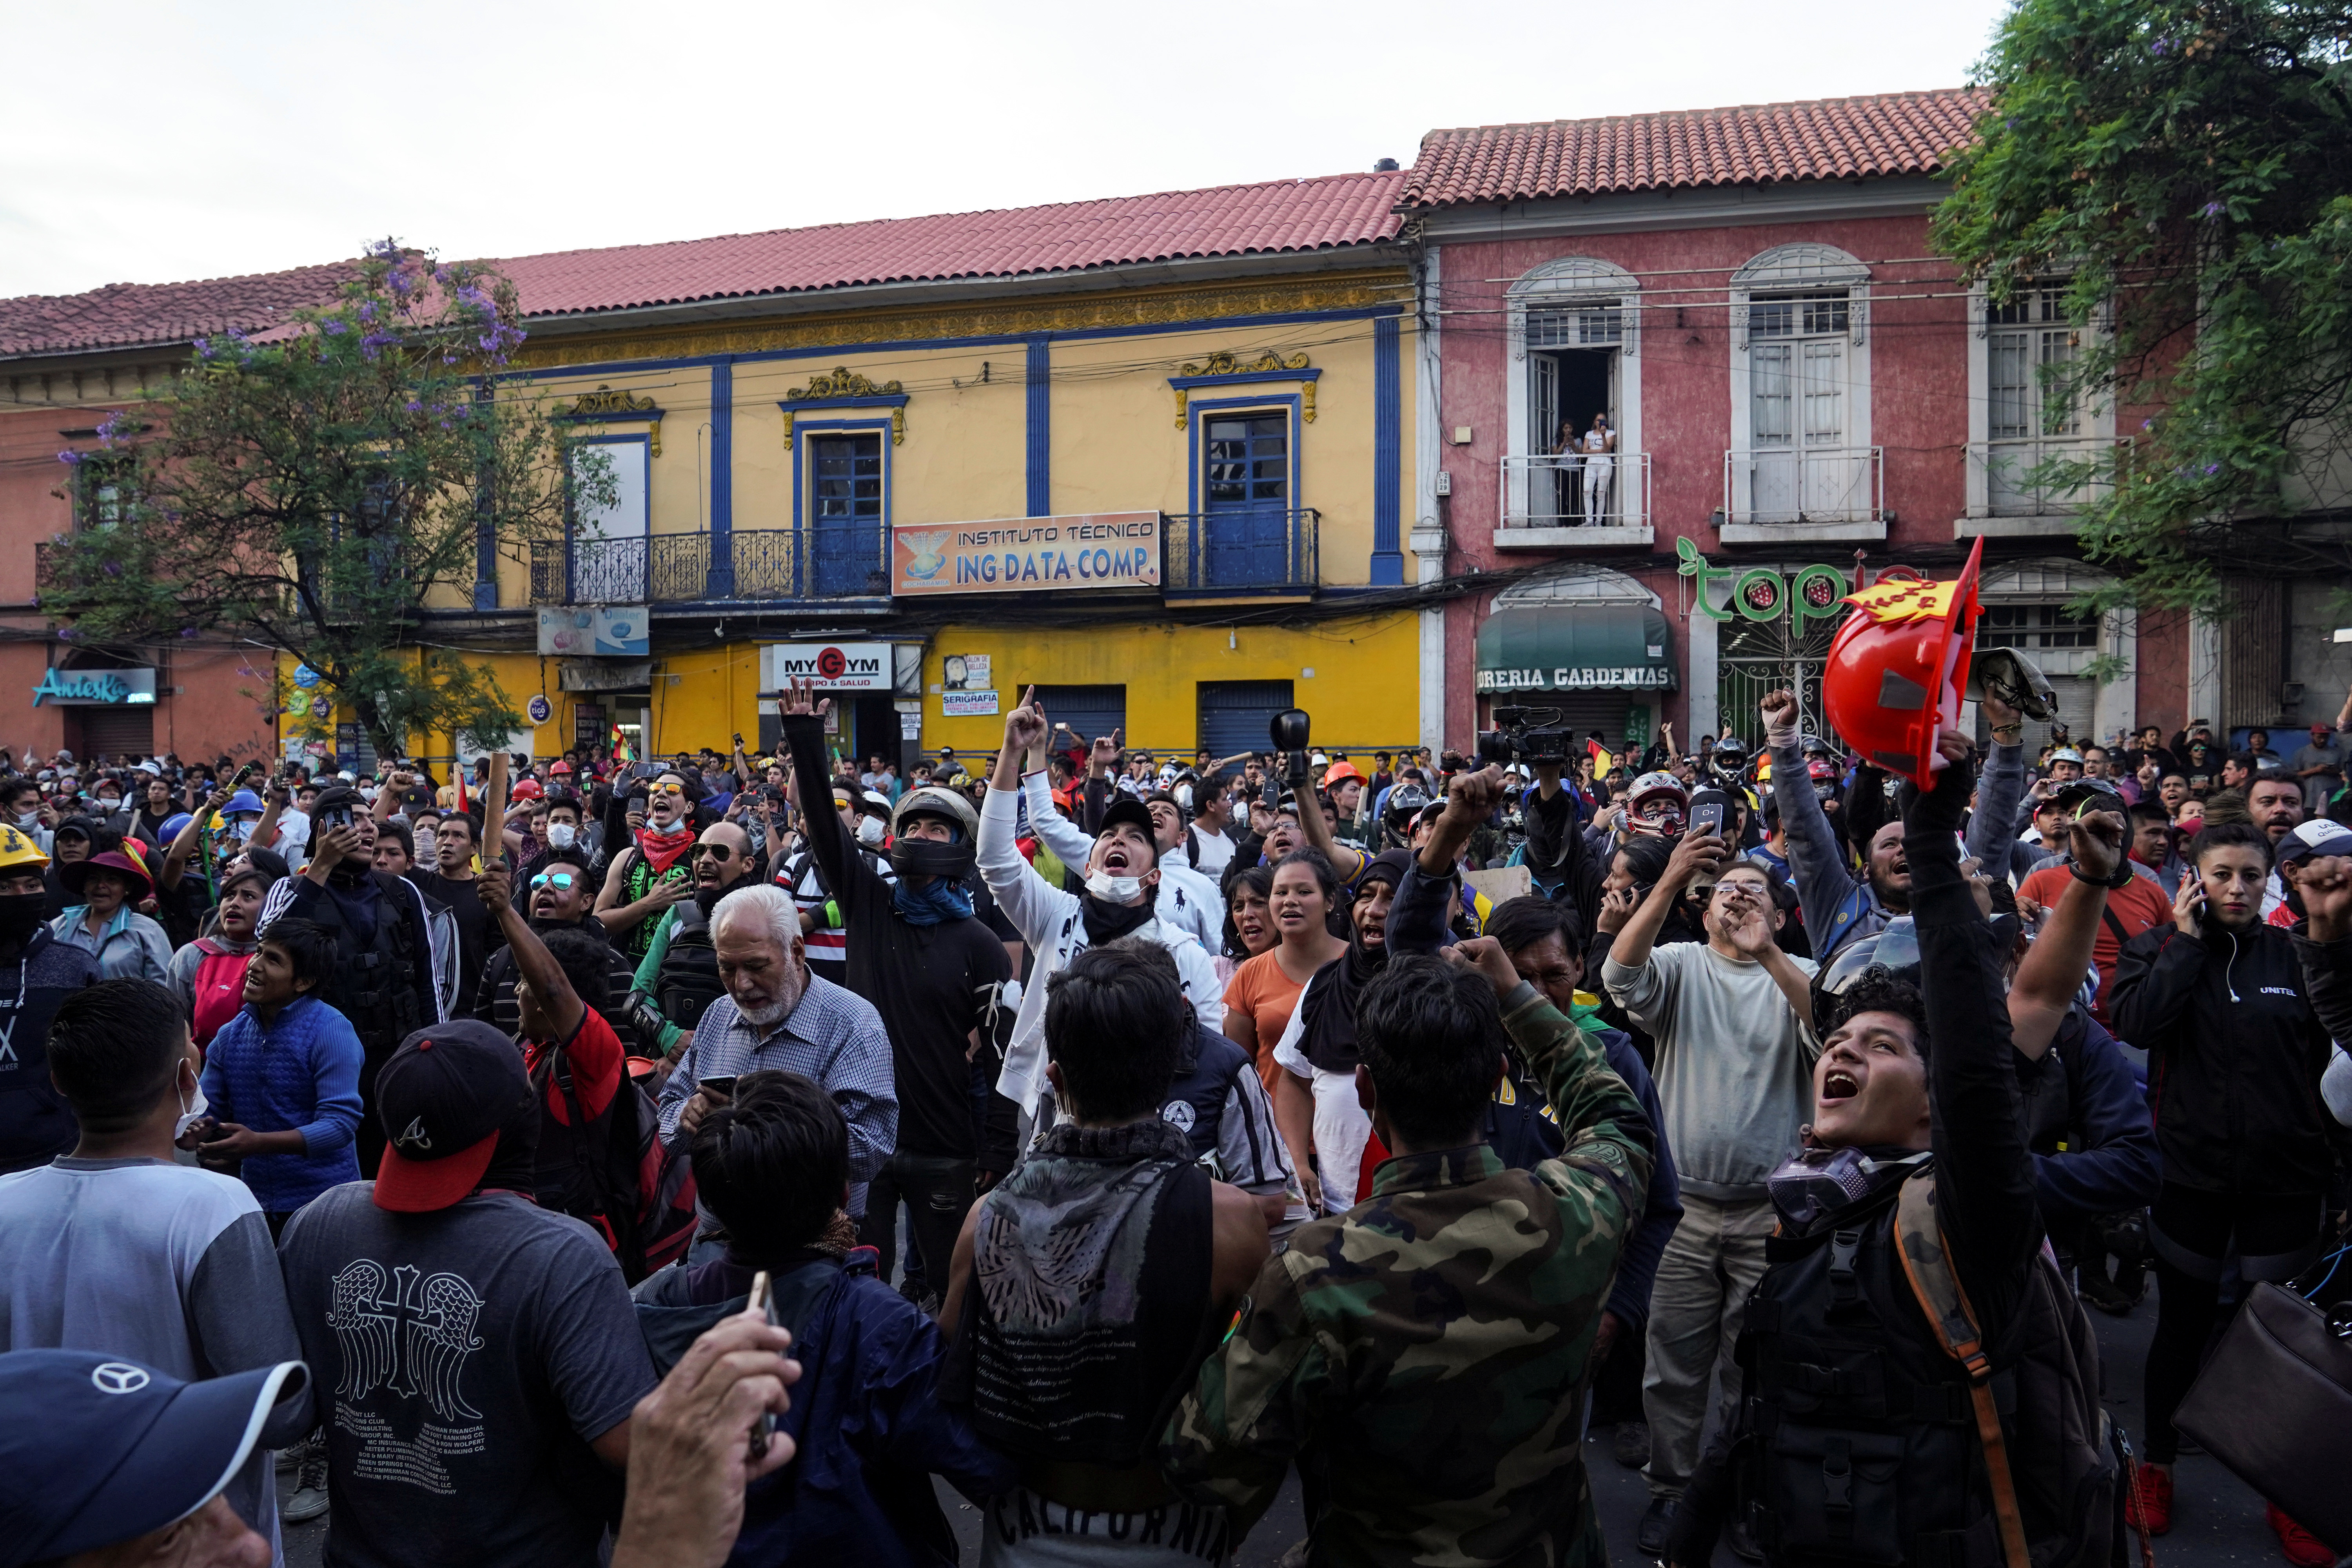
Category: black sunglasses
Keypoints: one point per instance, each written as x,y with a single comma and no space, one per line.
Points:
718,852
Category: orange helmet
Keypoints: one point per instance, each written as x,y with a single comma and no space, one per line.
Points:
1897,667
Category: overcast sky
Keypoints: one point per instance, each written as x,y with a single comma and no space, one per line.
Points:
151,143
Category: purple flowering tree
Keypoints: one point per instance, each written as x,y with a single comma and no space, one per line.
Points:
322,487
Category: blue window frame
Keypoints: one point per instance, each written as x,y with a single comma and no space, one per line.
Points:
845,501
1245,486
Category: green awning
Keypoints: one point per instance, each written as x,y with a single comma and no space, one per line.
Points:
1575,647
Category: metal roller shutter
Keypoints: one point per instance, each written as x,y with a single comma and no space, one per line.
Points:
112,732
1089,711
1235,714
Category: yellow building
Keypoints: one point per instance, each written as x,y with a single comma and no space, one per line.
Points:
1147,455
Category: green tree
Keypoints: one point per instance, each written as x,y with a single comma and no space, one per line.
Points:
2187,169
315,487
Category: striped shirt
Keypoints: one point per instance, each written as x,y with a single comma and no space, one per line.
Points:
834,1037
828,939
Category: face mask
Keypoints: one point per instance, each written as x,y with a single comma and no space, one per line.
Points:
1185,796
1814,1181
190,1114
561,835
424,844
241,827
20,914
869,832
29,820
1113,889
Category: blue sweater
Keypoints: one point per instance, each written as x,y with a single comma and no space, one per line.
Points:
300,1075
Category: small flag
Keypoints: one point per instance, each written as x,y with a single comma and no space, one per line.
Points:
621,752
1601,760
460,770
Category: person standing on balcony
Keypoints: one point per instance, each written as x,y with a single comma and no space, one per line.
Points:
1599,468
1565,472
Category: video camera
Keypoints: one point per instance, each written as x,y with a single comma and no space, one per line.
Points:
1532,736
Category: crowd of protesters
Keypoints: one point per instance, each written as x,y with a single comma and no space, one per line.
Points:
1109,1136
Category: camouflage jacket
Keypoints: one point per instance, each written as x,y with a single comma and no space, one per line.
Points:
1426,1351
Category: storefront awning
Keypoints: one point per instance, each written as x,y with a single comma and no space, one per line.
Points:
1575,647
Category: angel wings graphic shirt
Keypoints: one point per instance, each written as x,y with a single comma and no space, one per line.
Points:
462,1360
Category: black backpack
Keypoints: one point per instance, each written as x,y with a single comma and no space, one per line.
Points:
613,1169
689,980
1879,1427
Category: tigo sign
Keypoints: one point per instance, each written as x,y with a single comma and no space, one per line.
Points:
1027,554
832,666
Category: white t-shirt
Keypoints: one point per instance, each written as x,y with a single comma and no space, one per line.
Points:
1215,853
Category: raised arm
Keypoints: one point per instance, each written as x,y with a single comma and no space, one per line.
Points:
533,964
1028,901
1816,861
1984,1170
2324,946
185,842
2051,972
802,713
1697,852
1346,859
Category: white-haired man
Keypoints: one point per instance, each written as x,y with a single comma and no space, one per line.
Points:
776,1014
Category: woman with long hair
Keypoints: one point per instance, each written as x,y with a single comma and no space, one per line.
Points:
1249,924
1302,899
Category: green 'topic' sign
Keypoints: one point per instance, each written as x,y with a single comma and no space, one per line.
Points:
1761,594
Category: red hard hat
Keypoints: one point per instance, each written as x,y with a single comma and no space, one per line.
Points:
526,789
1898,665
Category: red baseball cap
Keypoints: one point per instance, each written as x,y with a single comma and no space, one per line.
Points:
443,1097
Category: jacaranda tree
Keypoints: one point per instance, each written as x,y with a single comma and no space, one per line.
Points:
315,487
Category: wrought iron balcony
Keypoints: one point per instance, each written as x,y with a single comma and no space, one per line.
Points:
1253,549
1805,485
766,564
1547,493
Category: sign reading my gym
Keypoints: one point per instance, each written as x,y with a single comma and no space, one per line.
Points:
831,666
1027,554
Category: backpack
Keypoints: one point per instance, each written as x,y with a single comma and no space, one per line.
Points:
621,1177
1883,1429
687,982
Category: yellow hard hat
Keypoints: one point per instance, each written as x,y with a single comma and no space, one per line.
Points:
20,849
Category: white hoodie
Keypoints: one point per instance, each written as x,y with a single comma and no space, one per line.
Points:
1052,922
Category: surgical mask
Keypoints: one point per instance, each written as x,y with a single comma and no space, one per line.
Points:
869,832
241,827
1185,796
1113,889
190,1114
561,835
28,820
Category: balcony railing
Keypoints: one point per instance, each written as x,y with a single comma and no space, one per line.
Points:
1805,484
1552,491
1258,550
763,563
2000,482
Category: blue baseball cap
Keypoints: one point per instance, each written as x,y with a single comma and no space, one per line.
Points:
117,1449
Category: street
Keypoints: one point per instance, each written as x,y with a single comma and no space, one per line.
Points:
2215,1519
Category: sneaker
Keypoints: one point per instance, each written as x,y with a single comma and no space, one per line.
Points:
1630,1443
1650,1536
2149,1506
310,1498
2302,1548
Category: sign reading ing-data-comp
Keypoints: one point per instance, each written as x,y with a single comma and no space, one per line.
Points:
1023,554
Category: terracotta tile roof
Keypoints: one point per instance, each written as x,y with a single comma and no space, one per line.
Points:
1279,216
138,315
1826,139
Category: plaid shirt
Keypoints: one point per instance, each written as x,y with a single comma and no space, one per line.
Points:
834,1037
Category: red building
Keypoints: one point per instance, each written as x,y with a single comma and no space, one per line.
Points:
1799,389
66,363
